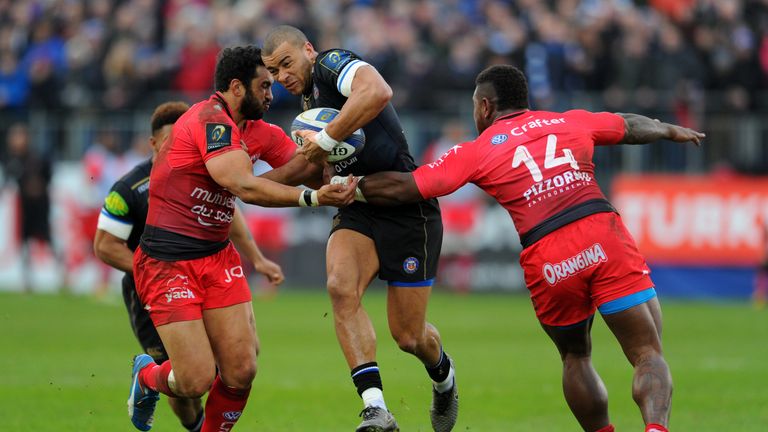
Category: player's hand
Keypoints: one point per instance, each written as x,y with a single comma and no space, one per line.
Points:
309,148
682,134
271,270
338,195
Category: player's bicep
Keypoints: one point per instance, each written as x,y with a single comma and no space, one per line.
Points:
230,169
607,128
354,75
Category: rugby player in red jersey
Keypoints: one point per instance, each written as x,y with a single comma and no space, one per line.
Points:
121,223
577,255
188,274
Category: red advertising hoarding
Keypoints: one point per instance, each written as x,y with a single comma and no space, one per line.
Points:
695,220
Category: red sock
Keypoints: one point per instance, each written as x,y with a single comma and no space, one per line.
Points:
223,407
653,427
156,378
608,428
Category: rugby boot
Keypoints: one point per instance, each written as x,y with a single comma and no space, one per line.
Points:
377,419
445,407
141,401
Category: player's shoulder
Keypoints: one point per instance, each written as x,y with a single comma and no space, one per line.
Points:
211,110
261,127
334,60
135,181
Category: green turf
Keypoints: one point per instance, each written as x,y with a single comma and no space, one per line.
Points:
65,366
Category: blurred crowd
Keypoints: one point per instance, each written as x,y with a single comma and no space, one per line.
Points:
641,54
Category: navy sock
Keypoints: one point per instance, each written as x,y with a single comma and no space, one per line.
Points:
366,376
439,372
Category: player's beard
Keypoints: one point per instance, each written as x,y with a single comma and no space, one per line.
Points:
251,109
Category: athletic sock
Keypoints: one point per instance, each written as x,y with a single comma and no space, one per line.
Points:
156,376
223,407
608,428
197,424
368,382
655,427
442,373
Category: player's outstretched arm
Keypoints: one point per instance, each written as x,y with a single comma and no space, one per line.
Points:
390,188
642,130
297,171
233,170
243,240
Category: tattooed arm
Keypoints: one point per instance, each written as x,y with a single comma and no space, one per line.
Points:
642,130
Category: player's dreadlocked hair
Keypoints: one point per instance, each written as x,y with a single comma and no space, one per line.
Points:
510,86
239,63
167,114
280,34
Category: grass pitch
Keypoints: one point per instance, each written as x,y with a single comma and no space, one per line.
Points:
65,366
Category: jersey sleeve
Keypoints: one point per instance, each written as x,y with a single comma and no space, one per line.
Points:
116,215
216,135
455,168
281,148
606,128
338,67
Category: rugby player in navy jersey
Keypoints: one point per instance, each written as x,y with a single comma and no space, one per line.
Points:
188,274
400,245
120,226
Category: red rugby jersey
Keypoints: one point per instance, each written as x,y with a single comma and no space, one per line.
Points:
267,142
537,164
189,213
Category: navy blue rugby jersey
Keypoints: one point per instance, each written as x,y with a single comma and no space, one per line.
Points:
385,146
125,208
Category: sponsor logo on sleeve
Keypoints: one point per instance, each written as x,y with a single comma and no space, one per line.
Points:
217,136
115,204
335,60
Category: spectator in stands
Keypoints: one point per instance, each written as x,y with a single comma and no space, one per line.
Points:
31,174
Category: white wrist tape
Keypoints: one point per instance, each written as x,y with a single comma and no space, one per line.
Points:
345,180
358,193
325,141
309,198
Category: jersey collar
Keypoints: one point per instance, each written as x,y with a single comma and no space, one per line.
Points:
220,98
511,115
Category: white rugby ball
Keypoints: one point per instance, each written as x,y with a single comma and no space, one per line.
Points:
316,119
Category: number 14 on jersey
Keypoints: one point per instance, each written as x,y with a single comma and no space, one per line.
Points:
523,156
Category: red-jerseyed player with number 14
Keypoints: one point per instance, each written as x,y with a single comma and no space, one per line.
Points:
577,255
187,272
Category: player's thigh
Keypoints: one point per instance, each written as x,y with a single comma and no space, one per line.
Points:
638,329
186,343
232,334
351,262
572,340
141,323
407,308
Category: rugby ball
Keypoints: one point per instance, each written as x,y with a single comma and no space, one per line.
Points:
316,119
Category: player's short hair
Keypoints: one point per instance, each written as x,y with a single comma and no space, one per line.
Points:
239,62
280,34
167,114
509,83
